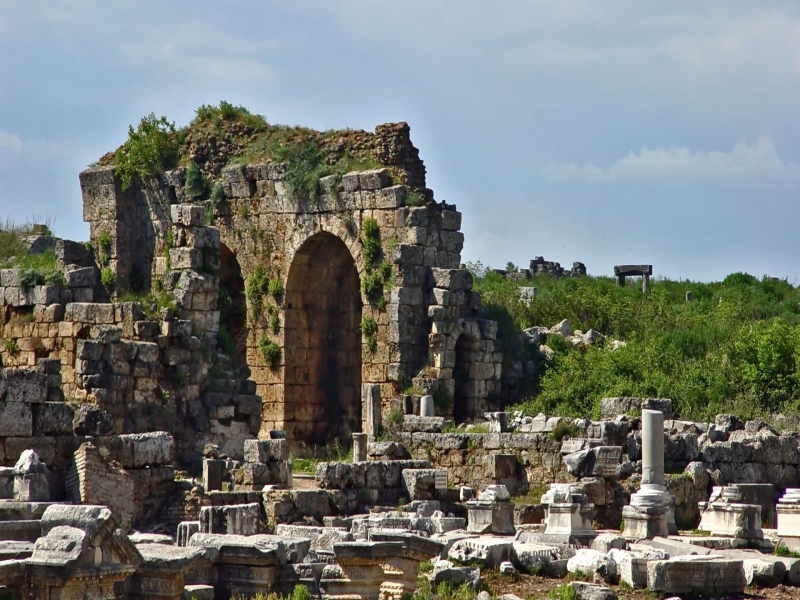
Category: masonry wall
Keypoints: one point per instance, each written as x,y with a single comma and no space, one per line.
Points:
425,306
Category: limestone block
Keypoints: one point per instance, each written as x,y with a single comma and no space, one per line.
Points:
16,419
451,220
90,420
81,278
419,484
185,258
186,529
25,385
631,567
321,538
235,519
445,571
734,520
146,449
52,418
686,575
605,542
263,451
489,551
11,278
351,182
374,179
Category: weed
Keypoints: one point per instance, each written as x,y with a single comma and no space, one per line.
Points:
255,288
369,329
414,198
781,550
563,592
371,242
274,322
104,240
270,351
442,399
244,210
275,287
108,278
564,429
216,198
226,342
425,567
196,185
372,286
11,346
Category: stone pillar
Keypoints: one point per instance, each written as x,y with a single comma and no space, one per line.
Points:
645,283
371,393
621,280
688,295
426,408
213,471
652,447
651,511
359,447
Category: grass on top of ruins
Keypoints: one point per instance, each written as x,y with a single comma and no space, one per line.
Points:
225,134
735,347
37,268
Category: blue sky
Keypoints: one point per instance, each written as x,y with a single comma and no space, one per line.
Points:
605,132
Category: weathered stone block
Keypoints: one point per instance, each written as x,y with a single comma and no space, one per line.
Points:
263,451
25,385
16,419
52,418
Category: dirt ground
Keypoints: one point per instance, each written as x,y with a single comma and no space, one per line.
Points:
532,587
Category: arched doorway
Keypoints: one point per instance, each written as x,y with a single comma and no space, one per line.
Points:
232,306
464,392
322,344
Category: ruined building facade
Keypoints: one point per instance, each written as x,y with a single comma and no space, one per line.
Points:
330,298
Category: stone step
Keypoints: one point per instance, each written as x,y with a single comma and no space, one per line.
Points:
21,531
11,510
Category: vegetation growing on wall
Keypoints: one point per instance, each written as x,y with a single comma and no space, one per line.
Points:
150,149
734,348
374,279
369,329
270,351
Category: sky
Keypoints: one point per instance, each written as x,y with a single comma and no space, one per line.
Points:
602,132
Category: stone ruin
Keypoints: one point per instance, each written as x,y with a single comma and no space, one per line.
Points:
540,266
140,461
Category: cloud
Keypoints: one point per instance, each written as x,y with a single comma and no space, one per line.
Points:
11,141
757,163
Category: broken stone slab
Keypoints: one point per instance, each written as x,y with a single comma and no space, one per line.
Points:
696,574
236,519
631,567
361,526
445,571
591,591
151,538
588,562
386,451
415,546
163,568
198,591
321,538
761,570
531,557
605,541
420,484
488,551
450,538
672,547
415,423
494,493
263,550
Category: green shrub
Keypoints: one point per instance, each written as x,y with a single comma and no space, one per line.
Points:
274,322
108,278
216,198
104,240
369,329
414,198
255,288
40,269
11,346
149,150
371,242
563,592
781,550
270,351
196,185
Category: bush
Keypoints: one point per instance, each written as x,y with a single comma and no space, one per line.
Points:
371,242
270,351
149,150
275,287
369,329
108,278
40,269
216,198
196,185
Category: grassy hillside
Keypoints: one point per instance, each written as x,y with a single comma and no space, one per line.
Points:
734,348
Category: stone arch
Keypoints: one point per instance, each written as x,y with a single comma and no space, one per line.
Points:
234,317
464,392
322,343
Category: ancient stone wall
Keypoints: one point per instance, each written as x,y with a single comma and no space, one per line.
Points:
354,283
